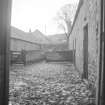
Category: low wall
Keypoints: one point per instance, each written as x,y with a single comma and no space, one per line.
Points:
60,56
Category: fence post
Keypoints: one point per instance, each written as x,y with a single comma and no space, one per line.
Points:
74,58
74,51
24,56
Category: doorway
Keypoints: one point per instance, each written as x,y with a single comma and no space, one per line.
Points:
85,52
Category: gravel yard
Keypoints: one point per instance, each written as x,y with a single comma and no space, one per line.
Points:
48,84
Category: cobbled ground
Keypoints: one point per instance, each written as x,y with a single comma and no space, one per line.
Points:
47,84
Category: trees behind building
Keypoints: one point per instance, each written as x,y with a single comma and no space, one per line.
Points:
65,18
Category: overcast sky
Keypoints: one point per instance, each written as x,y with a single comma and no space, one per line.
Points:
37,14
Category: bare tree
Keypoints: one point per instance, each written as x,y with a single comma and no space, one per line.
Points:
65,18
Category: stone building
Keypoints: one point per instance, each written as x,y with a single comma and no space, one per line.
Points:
36,40
84,38
20,40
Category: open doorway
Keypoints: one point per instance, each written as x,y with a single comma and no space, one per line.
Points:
85,52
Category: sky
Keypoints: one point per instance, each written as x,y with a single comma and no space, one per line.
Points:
37,14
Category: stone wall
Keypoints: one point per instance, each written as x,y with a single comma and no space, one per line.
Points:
89,14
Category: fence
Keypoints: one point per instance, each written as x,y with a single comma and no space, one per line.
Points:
26,57
34,56
17,57
60,56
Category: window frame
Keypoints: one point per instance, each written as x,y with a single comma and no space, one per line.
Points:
5,26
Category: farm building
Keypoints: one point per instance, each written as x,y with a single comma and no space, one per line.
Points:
36,40
84,37
33,46
26,41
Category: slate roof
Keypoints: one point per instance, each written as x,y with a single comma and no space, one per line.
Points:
35,37
40,37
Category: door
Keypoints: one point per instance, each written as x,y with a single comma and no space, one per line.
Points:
85,52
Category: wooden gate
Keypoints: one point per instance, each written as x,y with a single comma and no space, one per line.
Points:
17,57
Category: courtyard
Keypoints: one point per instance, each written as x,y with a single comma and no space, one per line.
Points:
48,84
